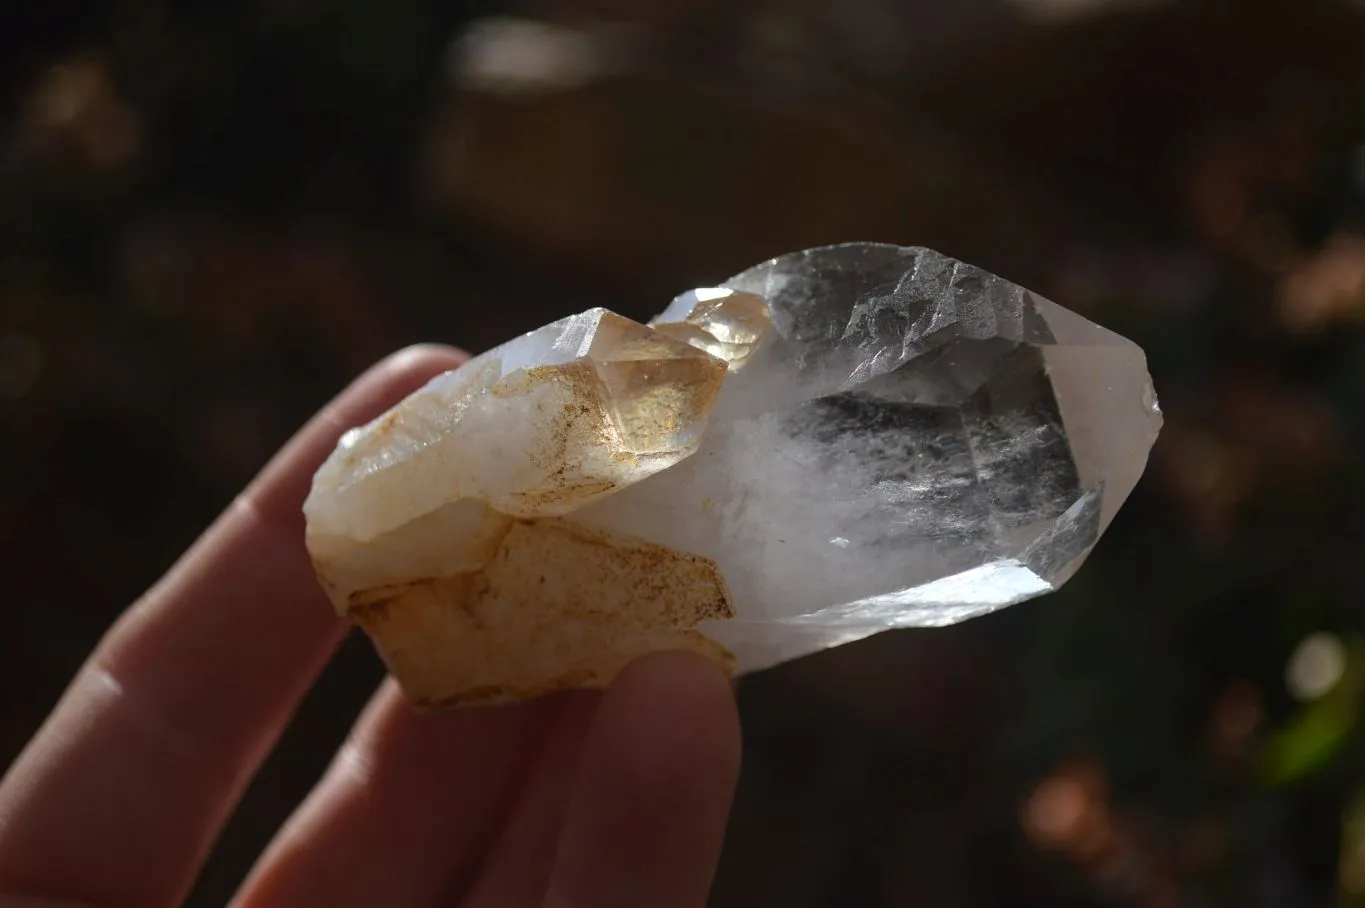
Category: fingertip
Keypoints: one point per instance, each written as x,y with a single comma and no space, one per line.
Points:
653,795
674,718
681,699
424,358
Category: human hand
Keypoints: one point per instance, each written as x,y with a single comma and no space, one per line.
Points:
577,800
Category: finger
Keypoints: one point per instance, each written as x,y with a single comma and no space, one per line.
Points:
517,870
407,809
118,797
649,808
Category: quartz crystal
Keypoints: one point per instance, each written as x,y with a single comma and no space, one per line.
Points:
833,443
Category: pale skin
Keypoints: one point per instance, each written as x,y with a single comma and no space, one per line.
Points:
577,800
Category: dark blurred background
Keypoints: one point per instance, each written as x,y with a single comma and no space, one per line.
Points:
212,215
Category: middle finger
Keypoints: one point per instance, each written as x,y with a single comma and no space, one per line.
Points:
407,808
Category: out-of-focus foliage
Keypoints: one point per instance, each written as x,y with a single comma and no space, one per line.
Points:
211,215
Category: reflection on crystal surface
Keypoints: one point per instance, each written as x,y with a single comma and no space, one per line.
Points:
850,439
728,324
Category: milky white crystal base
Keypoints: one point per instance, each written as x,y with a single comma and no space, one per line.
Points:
837,442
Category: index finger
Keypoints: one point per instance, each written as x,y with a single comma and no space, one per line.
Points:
119,796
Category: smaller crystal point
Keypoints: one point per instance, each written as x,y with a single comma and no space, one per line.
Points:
836,442
728,324
658,391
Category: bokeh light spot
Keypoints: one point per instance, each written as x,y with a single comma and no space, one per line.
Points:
1316,666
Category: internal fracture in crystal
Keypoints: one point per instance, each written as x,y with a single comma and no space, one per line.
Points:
833,443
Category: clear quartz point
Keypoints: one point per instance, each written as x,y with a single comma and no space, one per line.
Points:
833,443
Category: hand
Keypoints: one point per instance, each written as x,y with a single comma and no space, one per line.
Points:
578,800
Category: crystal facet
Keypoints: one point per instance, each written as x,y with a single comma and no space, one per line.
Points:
834,443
